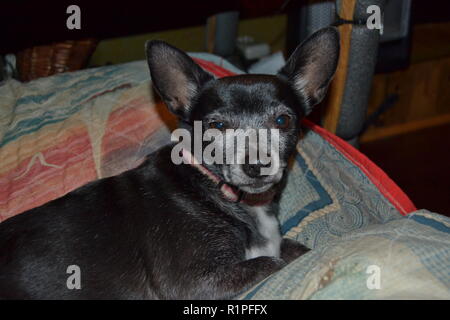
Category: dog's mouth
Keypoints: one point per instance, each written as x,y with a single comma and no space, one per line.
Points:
250,185
235,176
257,187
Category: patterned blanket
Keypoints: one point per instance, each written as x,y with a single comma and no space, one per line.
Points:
60,132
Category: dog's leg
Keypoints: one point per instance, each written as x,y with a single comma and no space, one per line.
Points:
228,281
291,250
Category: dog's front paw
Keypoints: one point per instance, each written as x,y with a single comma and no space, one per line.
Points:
269,265
291,250
262,267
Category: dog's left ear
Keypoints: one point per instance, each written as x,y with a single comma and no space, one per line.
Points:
311,67
175,76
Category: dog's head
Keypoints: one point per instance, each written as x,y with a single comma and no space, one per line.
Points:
248,103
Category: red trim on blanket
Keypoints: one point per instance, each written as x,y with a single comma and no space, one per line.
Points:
379,178
214,68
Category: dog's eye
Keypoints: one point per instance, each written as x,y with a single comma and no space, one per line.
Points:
282,122
217,125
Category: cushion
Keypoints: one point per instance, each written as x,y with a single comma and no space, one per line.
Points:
403,258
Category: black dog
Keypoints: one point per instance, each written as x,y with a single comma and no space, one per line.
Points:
167,231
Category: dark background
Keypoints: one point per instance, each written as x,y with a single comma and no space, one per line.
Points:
25,23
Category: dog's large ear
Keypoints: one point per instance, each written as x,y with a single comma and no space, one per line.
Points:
175,76
311,67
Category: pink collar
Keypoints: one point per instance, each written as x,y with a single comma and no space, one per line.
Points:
229,192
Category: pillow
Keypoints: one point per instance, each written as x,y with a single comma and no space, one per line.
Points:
61,132
403,258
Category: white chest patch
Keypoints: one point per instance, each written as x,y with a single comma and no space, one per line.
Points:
269,229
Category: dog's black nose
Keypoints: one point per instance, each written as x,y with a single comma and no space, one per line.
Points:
253,170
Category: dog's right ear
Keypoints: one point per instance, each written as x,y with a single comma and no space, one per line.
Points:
311,67
175,76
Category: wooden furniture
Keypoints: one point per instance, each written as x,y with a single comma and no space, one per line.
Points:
332,110
423,88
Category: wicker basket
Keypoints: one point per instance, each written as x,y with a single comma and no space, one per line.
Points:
43,61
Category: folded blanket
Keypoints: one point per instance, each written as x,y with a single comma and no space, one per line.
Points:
405,258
